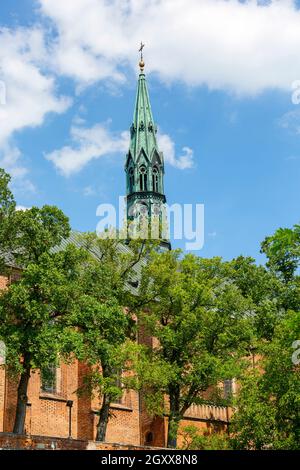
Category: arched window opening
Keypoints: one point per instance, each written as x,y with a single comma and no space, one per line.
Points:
131,180
155,180
149,438
49,379
143,178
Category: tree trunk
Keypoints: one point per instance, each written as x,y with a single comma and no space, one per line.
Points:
103,418
104,411
174,417
22,398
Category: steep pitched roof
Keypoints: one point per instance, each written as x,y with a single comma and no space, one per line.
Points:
74,239
143,129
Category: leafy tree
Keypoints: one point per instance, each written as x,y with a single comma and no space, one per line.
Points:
32,308
283,251
38,231
268,405
105,323
193,440
268,294
7,210
200,319
103,326
28,237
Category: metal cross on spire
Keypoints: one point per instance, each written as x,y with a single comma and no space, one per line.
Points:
142,63
141,50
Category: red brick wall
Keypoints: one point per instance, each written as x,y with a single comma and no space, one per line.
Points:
123,426
48,414
3,282
124,423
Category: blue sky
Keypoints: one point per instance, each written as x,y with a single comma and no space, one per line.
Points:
225,93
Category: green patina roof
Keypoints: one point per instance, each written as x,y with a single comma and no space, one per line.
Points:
75,239
143,129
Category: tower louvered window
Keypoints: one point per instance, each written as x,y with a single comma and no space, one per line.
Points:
131,180
155,180
143,179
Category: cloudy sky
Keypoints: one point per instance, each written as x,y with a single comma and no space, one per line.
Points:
224,81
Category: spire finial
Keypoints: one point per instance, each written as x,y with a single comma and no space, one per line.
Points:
142,63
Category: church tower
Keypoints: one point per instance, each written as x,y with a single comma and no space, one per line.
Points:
144,169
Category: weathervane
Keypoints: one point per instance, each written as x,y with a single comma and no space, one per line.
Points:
142,63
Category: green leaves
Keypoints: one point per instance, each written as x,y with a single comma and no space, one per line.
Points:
35,310
37,232
208,316
283,251
7,202
193,440
7,210
201,320
253,425
268,404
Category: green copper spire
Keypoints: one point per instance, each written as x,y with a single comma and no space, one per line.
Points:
143,131
144,162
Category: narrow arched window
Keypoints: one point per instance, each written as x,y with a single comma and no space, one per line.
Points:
131,180
149,438
155,180
143,178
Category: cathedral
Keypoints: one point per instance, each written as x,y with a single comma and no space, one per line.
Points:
54,409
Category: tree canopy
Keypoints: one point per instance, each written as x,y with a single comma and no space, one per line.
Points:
97,299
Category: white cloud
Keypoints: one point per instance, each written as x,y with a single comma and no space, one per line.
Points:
10,160
245,47
29,93
22,208
88,144
167,146
87,30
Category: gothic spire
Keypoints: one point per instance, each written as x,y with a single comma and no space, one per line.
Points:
145,166
143,130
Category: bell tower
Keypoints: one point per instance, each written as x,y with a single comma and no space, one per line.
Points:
144,169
